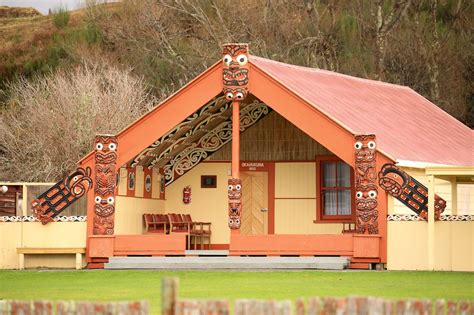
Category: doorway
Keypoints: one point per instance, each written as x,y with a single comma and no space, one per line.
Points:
254,203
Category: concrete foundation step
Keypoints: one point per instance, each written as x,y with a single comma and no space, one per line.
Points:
231,262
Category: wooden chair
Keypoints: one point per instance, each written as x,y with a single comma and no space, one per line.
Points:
154,223
198,231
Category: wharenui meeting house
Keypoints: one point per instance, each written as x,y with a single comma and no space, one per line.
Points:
262,159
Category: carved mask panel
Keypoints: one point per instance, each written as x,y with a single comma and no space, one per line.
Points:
235,71
365,148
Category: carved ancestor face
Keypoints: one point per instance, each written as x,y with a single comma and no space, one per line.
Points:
105,148
79,181
392,180
234,190
365,148
106,156
235,208
366,198
235,71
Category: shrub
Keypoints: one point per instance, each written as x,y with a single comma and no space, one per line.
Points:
51,121
61,17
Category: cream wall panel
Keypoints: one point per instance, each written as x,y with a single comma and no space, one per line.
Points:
10,239
155,184
462,245
34,234
139,182
295,216
129,213
407,245
122,186
295,180
207,204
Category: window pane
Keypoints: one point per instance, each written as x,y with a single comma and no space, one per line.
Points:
329,174
344,199
343,175
330,202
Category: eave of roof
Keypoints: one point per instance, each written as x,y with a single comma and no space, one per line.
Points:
396,114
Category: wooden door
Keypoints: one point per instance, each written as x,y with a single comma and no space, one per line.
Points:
254,203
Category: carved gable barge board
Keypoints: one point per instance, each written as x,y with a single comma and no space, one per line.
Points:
182,129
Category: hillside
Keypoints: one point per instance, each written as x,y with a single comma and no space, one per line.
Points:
422,44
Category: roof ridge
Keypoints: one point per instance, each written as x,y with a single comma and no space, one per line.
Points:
330,72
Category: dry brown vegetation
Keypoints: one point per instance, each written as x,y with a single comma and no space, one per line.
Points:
51,121
424,44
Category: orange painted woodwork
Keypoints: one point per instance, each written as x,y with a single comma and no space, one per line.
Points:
100,246
366,246
153,125
154,244
235,139
289,244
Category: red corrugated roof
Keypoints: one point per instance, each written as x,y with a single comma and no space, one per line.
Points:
408,126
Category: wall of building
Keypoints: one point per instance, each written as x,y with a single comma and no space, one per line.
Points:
129,210
34,234
408,245
207,204
296,200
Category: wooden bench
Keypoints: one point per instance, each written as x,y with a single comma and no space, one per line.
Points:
44,250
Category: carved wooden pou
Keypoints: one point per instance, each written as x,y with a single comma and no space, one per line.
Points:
408,191
63,194
234,192
106,182
235,72
365,184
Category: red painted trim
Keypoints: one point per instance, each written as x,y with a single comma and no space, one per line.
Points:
320,217
146,172
131,192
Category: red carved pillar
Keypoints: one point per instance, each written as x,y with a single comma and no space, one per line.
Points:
105,184
365,176
235,79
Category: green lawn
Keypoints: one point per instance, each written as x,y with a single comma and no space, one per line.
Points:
139,285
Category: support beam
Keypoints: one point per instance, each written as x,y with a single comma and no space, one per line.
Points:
431,222
454,196
235,139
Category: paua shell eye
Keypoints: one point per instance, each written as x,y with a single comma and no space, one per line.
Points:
110,200
230,187
237,221
97,199
239,95
242,60
372,194
227,60
358,145
359,194
371,145
231,221
112,147
238,187
229,96
99,146
75,178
